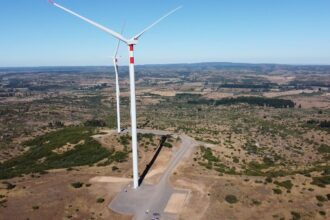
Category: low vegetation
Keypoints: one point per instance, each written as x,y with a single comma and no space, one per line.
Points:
41,156
295,215
231,199
259,101
77,185
95,123
286,184
321,181
35,207
100,200
277,191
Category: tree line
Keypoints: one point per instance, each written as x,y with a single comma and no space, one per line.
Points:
251,100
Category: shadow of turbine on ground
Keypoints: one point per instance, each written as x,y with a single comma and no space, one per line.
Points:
149,165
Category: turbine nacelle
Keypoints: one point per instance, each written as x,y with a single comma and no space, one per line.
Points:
132,41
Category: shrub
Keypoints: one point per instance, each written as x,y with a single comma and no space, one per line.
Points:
114,168
35,207
322,213
9,185
295,216
324,148
256,202
168,145
269,179
124,139
277,191
95,123
325,124
100,200
119,156
321,198
321,181
231,199
149,136
286,184
208,166
77,184
235,160
56,124
208,154
2,202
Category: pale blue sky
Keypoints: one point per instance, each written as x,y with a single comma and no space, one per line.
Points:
34,33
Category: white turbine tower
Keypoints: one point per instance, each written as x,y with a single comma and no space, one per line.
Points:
115,65
130,43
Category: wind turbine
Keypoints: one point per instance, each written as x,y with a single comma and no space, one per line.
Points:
130,42
115,65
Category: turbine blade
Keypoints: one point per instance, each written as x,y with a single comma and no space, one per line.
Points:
136,37
118,44
109,31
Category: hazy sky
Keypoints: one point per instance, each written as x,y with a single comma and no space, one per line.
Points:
34,33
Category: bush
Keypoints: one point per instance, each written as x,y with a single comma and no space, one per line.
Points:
321,181
235,160
56,124
3,201
286,184
124,139
9,185
77,184
168,145
256,202
149,136
100,200
35,207
95,123
277,191
231,199
324,148
321,198
269,179
119,156
322,213
325,124
295,216
208,154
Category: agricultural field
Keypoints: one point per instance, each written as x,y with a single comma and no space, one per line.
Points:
263,134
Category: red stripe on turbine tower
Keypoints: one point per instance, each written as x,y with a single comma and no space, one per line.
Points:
131,58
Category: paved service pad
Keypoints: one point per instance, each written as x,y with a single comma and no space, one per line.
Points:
145,201
148,200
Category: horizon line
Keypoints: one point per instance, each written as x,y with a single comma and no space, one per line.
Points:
181,63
